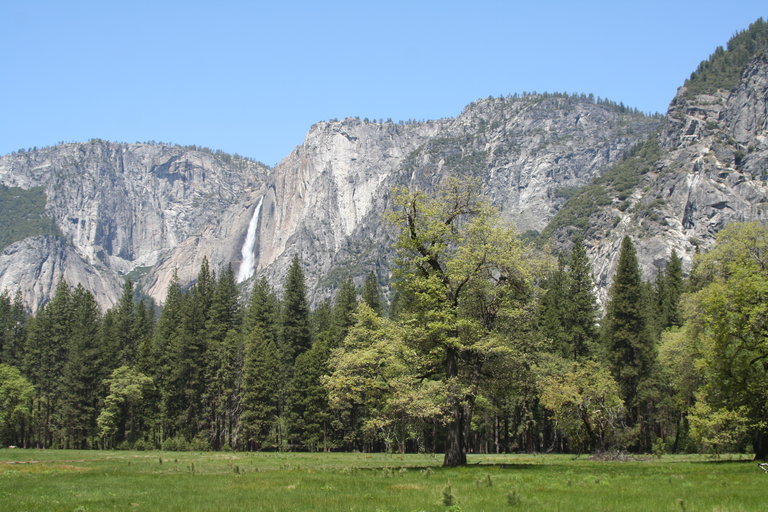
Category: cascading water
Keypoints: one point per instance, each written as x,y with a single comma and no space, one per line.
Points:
248,263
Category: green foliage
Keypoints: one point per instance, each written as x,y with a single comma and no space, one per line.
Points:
586,406
718,429
121,417
373,384
627,339
13,329
465,274
617,182
371,293
23,215
295,336
261,382
726,319
16,394
723,68
84,370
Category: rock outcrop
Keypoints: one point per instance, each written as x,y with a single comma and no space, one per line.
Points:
328,197
712,170
150,211
138,210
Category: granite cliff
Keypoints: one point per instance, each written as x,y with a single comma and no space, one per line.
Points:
708,167
553,163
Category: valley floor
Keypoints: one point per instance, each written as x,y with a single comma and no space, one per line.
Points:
87,481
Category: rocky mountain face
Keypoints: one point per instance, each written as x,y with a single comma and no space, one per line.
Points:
328,197
712,169
137,210
147,211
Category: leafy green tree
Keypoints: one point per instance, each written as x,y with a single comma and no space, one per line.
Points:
727,320
680,380
122,417
374,386
16,394
463,271
586,405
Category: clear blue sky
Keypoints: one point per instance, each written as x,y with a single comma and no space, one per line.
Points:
251,77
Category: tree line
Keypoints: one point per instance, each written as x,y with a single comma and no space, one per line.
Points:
490,344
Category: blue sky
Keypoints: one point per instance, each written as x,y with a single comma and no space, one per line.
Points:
252,77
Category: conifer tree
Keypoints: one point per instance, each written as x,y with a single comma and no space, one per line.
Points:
223,359
15,343
261,382
551,316
44,356
82,372
371,293
628,342
164,344
143,326
343,311
5,325
188,361
580,304
295,333
669,288
125,319
263,310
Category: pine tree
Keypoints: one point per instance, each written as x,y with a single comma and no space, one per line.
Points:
343,311
164,343
580,304
223,359
44,356
83,372
263,310
125,318
371,294
5,325
261,382
295,332
188,358
143,327
551,316
669,289
628,342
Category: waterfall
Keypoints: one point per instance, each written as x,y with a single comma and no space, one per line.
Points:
248,263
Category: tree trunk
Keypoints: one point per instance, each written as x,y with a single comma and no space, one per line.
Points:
761,445
455,449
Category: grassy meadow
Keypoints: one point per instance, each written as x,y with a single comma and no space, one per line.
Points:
80,481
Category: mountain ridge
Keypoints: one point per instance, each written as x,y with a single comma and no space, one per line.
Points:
557,163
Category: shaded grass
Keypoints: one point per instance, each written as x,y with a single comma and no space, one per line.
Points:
133,481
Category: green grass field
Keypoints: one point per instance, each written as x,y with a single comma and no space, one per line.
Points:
79,481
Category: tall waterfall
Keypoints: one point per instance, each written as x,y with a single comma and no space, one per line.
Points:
248,261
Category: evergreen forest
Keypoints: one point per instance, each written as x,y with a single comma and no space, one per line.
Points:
488,344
